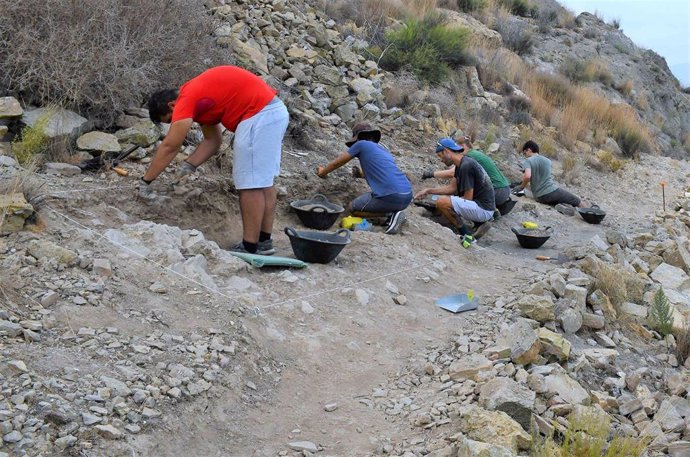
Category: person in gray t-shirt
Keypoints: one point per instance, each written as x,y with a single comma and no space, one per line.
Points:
537,174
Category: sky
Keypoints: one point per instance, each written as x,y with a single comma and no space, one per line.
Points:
660,25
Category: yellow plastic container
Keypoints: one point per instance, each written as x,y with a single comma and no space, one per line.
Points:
530,225
350,221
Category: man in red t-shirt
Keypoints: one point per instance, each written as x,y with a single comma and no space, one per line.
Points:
243,103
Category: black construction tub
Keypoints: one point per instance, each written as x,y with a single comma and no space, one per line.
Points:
592,215
317,247
317,212
532,238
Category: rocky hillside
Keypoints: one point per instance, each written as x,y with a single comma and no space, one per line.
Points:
126,328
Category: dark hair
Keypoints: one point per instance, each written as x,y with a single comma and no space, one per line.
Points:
531,145
158,103
368,136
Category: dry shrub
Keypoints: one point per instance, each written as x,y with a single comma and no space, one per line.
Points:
573,125
586,70
516,33
420,8
571,168
682,335
398,92
629,133
626,87
642,102
101,56
607,161
608,280
566,19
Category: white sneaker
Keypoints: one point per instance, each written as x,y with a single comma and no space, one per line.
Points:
396,222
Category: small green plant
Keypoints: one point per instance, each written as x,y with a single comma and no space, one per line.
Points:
427,48
661,313
32,141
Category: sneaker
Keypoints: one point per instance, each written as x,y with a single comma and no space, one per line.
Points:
266,248
481,230
239,247
396,222
467,241
566,209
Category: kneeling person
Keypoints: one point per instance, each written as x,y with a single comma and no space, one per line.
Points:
391,191
474,199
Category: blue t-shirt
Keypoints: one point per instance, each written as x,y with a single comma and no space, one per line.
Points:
382,174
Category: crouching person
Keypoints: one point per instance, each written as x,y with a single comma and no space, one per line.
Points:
391,191
468,196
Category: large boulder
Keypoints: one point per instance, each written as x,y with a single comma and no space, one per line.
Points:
554,344
568,389
514,399
40,249
539,308
472,448
250,54
671,277
469,367
14,210
494,427
98,142
522,341
143,133
56,123
10,108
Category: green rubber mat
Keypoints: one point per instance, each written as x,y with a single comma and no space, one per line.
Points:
259,261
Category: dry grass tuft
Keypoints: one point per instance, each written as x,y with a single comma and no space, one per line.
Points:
608,280
608,161
683,342
626,87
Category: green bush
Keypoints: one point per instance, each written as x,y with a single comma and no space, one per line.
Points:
586,71
631,141
427,48
32,141
661,313
522,8
471,5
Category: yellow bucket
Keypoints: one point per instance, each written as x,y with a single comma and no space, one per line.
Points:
350,221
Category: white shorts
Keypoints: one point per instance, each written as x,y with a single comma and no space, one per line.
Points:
469,210
258,143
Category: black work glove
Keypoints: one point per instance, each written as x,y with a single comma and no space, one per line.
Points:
427,175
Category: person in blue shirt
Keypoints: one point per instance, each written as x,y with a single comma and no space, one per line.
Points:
391,191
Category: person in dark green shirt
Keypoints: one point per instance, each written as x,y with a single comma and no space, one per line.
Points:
499,182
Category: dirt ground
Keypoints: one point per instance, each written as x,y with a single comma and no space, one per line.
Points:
328,333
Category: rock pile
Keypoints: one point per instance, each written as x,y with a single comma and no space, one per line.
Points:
580,347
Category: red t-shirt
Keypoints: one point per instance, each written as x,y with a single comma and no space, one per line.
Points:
226,95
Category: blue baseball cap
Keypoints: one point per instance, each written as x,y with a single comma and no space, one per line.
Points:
448,143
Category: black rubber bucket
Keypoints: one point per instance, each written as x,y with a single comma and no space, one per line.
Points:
317,247
592,215
532,238
317,212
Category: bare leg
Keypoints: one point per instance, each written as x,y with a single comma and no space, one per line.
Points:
445,207
270,197
252,207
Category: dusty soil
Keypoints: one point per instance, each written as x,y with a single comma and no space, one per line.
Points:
325,334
